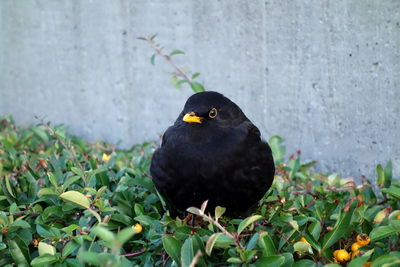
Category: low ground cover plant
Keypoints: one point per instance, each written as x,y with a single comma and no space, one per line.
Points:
65,202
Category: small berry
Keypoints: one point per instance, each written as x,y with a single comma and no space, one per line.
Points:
355,247
137,228
363,239
341,255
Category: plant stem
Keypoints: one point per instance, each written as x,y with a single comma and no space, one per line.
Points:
158,51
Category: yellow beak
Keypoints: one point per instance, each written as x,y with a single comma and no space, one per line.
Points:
191,117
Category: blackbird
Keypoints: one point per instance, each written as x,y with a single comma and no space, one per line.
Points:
212,152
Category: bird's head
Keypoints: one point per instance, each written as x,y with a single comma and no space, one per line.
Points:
210,108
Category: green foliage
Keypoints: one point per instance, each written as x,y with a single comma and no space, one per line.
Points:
180,75
65,202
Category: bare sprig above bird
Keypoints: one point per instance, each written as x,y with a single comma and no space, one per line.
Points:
180,76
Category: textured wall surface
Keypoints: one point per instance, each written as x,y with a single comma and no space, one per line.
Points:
322,74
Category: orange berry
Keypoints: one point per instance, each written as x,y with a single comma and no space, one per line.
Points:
355,247
137,228
363,239
341,255
398,217
367,264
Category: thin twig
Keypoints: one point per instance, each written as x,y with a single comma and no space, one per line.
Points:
158,51
18,213
280,233
196,259
134,254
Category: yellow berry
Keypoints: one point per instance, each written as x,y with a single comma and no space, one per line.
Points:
363,239
398,217
137,228
341,255
355,247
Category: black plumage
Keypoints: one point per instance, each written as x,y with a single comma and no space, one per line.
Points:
212,152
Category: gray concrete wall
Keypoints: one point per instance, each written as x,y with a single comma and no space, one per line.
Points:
322,74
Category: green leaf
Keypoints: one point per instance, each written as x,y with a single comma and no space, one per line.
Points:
195,211
357,262
234,260
302,247
77,198
288,259
173,247
47,191
153,36
16,253
211,242
176,52
77,171
45,248
104,234
188,252
267,245
176,82
270,261
95,214
315,229
69,248
382,232
44,260
392,191
310,239
341,227
304,263
247,255
21,224
246,222
153,59
391,259
8,186
219,211
388,173
124,235
278,150
195,75
197,87
71,180
52,179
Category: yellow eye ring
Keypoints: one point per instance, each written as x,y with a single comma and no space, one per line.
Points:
213,113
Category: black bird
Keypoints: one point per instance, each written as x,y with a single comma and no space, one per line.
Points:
212,152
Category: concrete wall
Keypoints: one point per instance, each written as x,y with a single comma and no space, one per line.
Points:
322,74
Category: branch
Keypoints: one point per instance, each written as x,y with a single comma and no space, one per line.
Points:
158,51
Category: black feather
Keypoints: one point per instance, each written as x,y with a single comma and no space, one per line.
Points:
222,160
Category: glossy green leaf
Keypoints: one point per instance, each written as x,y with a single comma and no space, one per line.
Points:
16,254
45,248
197,87
176,52
341,227
382,232
248,221
267,244
173,247
44,260
270,261
76,198
211,242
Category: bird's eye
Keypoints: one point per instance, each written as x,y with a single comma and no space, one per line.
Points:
213,113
